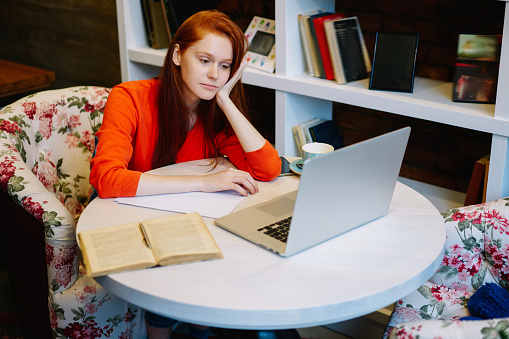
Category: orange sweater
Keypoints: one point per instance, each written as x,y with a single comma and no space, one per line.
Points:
127,140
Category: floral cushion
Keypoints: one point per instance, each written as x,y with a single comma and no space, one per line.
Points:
46,143
476,252
452,329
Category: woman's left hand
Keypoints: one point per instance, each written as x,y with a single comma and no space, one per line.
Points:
227,88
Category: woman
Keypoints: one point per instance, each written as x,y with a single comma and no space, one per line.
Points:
194,110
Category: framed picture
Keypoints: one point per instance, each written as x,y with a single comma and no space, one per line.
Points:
394,62
261,35
477,67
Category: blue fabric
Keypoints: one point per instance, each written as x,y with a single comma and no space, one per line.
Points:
471,318
488,302
159,321
199,334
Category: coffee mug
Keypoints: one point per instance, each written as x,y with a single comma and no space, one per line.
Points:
315,149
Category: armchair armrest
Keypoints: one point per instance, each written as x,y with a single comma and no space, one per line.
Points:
26,190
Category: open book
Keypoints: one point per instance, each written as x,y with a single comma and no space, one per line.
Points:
163,241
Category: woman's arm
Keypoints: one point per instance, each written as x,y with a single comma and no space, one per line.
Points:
229,179
258,156
250,139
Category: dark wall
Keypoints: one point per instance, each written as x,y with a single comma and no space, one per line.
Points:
79,41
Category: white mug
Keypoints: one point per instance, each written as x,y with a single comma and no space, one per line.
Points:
315,149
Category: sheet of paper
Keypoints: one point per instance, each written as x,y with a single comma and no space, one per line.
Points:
212,205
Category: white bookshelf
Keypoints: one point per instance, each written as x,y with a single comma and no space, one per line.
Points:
300,97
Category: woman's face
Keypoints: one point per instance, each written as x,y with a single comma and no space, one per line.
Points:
205,67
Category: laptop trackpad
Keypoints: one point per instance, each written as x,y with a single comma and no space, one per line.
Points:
278,207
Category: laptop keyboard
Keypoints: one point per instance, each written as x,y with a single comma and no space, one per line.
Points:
278,230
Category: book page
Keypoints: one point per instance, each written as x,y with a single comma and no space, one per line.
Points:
115,249
183,237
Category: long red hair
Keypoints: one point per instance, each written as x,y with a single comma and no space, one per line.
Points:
173,113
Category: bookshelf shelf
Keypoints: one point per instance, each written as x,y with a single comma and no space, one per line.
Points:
430,100
300,97
147,55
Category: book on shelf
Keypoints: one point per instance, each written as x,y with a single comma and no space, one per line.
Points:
312,67
183,9
321,39
301,133
477,67
476,192
170,18
298,136
327,131
147,22
305,129
155,26
349,55
314,43
317,130
163,241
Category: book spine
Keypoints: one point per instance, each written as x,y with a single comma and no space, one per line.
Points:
305,46
367,61
159,26
313,134
305,127
474,194
165,15
312,51
305,133
350,49
149,30
323,47
315,49
337,65
170,17
298,137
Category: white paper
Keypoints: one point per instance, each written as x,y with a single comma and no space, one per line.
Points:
212,205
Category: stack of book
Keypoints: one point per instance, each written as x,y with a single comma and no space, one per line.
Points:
334,46
317,130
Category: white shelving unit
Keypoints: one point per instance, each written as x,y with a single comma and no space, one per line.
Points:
300,97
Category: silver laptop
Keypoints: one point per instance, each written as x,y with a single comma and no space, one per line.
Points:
338,191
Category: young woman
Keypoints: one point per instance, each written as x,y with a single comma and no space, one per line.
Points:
194,110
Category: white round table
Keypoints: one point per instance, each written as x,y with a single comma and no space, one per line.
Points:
351,275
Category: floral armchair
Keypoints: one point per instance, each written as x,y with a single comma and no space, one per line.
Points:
46,143
476,252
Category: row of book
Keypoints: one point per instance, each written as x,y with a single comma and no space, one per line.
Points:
317,130
334,46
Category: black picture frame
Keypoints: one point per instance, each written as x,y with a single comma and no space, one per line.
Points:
394,62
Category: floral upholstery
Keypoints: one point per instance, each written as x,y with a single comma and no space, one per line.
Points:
476,252
46,143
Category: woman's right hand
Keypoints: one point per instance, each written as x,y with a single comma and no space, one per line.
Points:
229,179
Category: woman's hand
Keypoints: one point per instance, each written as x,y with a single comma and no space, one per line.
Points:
229,179
224,92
